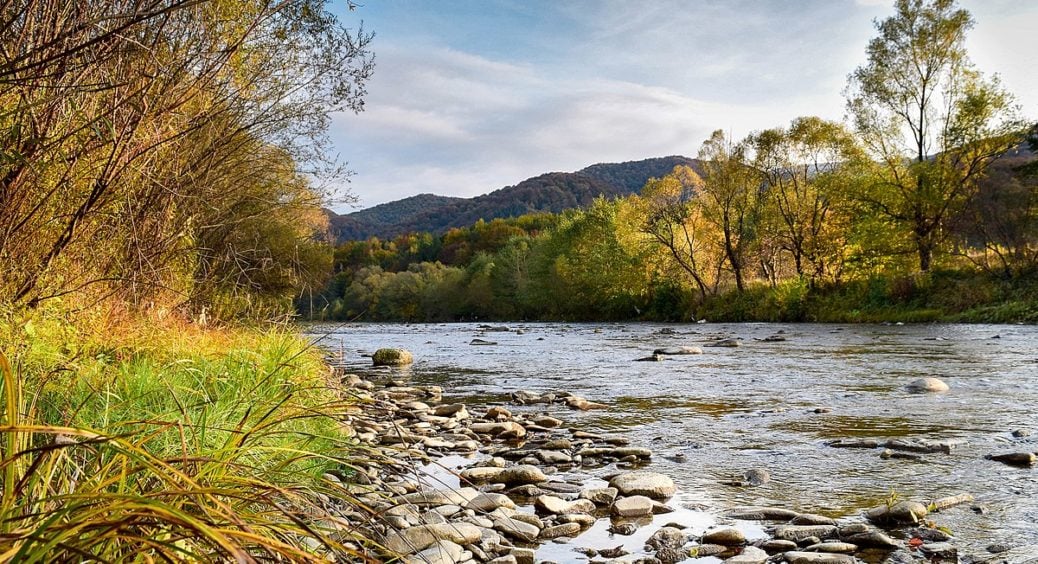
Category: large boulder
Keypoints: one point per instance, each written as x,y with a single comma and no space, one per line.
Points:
641,482
391,357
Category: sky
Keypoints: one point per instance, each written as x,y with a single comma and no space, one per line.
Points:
469,96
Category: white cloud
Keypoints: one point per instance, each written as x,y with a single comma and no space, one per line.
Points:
629,82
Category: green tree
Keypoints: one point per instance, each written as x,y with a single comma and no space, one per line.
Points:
931,120
733,199
809,168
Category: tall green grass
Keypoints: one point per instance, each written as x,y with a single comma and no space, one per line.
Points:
164,442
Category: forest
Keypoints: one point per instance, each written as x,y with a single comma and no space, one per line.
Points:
788,224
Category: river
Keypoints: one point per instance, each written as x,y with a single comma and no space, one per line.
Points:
771,405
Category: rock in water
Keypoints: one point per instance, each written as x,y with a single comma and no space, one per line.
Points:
757,477
649,484
900,513
678,351
1014,458
634,506
794,557
391,357
724,537
415,539
929,384
749,555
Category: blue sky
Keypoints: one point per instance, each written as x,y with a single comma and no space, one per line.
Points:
471,96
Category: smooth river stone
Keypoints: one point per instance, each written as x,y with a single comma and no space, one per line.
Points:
649,484
634,506
928,384
727,536
796,557
749,555
415,539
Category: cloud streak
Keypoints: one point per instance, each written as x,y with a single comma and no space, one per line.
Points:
453,115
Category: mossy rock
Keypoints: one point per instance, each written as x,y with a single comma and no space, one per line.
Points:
392,357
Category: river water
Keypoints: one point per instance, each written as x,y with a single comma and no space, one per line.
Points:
771,405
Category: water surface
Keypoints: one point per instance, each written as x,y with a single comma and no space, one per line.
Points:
770,405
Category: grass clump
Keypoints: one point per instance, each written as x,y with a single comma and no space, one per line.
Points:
160,440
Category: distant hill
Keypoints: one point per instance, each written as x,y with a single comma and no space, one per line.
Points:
552,192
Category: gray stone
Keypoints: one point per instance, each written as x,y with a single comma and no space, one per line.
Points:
501,429
749,555
391,357
523,555
633,506
812,519
649,484
558,506
487,502
943,550
415,539
774,546
443,552
797,557
928,384
678,351
667,537
601,496
900,513
563,530
798,533
870,539
761,514
1015,458
727,536
833,547
515,528
757,477
460,496
669,555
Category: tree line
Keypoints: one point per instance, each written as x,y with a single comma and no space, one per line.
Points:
165,151
931,173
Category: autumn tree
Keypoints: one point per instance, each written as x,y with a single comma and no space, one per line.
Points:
808,168
138,137
733,198
674,218
929,118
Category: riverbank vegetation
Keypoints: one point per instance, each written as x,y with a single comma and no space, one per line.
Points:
923,207
162,168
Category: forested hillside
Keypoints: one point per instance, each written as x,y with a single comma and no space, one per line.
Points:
752,237
552,192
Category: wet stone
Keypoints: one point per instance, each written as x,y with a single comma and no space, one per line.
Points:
727,536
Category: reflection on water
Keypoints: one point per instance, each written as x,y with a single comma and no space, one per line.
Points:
768,405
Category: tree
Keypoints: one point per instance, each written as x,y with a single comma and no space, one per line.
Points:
808,169
674,218
733,196
137,135
931,120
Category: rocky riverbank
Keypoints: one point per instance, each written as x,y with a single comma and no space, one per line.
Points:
457,482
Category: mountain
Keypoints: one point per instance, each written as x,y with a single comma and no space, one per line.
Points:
552,192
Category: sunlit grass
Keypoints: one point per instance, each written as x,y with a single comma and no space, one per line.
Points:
164,441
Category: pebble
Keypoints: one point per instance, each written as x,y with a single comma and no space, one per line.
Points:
465,524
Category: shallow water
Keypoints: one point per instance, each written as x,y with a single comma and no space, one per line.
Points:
732,409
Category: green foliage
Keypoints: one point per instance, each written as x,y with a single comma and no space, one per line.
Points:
154,441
